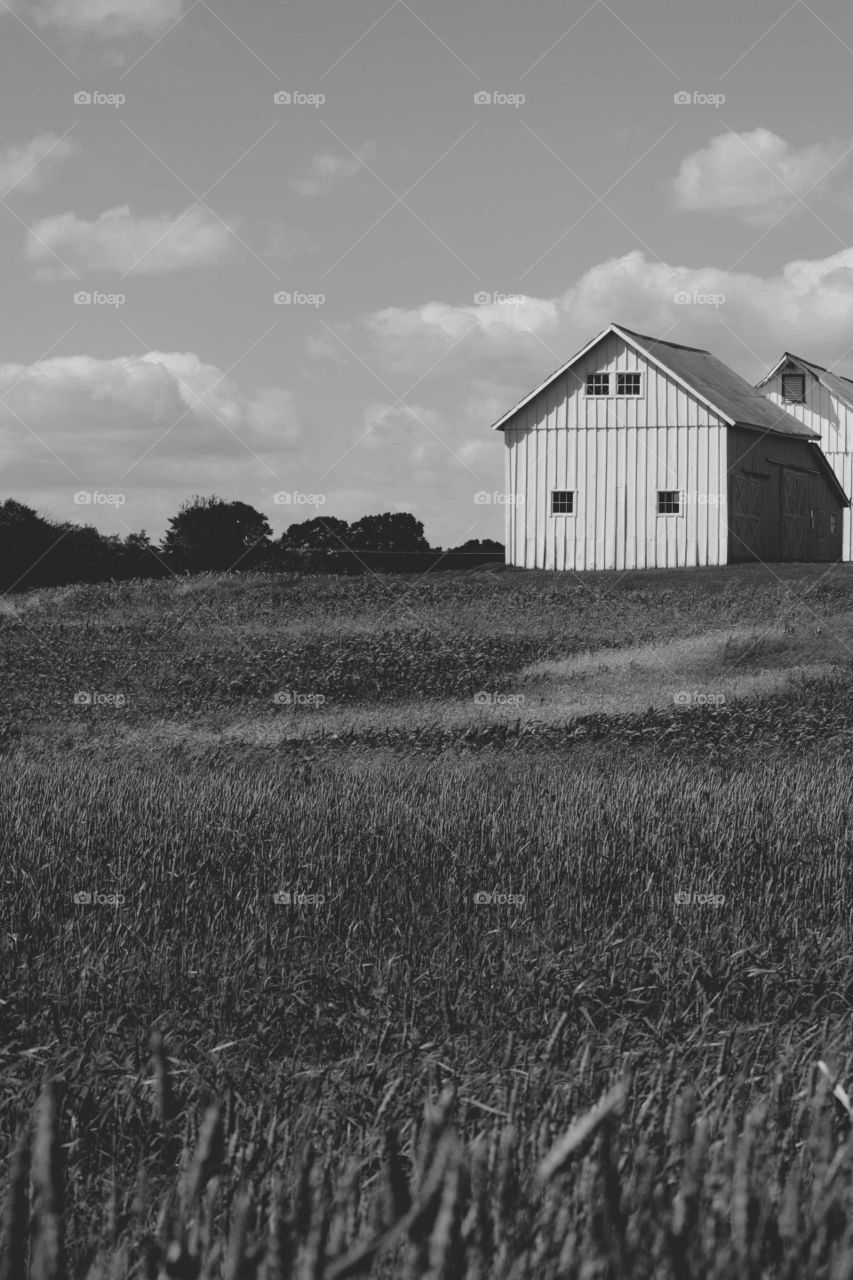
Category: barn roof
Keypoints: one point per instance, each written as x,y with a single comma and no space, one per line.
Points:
702,374
834,382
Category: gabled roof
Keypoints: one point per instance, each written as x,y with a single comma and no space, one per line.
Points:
834,382
703,376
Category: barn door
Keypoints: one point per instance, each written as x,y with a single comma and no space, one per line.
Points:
795,515
745,520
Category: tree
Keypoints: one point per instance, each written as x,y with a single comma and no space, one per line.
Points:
25,536
391,531
209,533
480,544
323,533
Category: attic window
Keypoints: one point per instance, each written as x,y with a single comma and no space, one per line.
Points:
598,384
629,384
794,388
563,502
669,502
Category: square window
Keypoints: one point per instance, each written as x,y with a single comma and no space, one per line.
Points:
598,384
669,502
563,502
794,388
629,384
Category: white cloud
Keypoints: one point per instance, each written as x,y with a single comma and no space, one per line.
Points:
327,170
807,306
100,415
756,175
27,166
100,18
120,241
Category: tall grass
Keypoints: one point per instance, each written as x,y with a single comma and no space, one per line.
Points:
319,1026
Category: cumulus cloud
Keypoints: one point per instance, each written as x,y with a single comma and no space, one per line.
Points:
27,166
121,241
806,306
99,416
327,170
755,175
100,18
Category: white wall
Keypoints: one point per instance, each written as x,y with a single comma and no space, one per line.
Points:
616,454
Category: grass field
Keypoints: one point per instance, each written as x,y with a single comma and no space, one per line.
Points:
491,924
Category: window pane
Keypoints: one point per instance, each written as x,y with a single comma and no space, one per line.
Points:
669,502
563,502
628,384
598,384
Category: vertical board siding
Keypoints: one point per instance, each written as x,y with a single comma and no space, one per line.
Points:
831,416
615,453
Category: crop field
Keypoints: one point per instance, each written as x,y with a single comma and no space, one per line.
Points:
491,924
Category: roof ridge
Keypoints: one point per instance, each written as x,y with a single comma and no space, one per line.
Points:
646,337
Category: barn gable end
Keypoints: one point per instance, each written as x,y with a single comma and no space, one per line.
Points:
827,408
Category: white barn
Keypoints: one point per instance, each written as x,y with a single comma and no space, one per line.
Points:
641,453
824,402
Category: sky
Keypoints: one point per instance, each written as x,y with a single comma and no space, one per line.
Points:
304,254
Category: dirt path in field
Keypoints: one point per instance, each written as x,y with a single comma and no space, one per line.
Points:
708,670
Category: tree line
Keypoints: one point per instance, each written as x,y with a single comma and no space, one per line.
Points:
212,534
